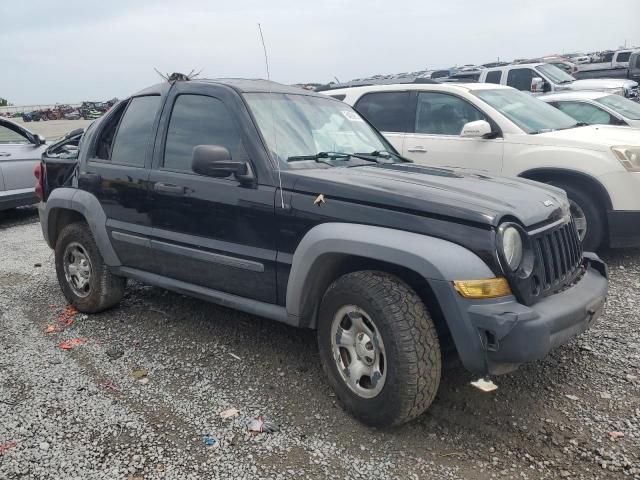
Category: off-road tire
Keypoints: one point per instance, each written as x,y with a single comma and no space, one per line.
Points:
413,358
596,221
106,289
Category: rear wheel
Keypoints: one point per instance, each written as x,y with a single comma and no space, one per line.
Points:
82,274
587,215
379,348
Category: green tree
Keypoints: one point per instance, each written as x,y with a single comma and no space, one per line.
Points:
4,102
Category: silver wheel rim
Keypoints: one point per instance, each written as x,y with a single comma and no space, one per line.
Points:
358,351
579,218
77,269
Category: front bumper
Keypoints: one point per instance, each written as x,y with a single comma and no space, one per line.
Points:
496,336
624,228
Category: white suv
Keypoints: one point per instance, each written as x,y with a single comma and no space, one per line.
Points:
503,131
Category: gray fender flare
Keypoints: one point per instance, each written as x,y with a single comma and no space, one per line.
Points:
89,207
432,258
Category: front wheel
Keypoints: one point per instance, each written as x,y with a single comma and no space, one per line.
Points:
379,348
587,215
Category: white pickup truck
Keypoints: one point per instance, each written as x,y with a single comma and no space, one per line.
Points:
545,78
501,130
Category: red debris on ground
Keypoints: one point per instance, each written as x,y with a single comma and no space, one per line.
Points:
7,446
51,329
109,385
69,344
67,316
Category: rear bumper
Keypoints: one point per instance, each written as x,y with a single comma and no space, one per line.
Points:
624,228
495,337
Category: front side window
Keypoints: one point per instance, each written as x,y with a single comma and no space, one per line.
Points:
624,56
494,77
625,107
199,120
296,125
527,112
387,111
135,132
520,78
554,74
607,57
8,135
587,113
442,114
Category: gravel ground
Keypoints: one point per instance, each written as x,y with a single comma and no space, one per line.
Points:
82,413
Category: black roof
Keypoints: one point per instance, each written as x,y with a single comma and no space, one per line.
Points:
241,85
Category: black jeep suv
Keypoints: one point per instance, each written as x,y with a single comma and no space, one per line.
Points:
288,204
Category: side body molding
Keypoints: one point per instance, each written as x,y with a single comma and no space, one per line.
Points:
432,258
89,207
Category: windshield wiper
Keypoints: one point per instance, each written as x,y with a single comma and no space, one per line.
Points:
320,156
377,155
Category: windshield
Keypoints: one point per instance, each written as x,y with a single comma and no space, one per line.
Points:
623,106
527,112
554,74
303,125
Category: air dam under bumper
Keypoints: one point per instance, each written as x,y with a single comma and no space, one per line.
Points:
624,229
502,334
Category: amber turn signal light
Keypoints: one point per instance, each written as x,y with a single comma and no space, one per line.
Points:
487,288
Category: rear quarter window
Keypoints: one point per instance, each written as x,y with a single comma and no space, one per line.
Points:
494,77
134,134
387,111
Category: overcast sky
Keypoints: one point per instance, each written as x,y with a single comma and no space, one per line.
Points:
74,50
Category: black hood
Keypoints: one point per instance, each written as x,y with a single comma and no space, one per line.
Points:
465,195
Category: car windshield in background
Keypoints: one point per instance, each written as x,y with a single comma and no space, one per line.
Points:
623,106
529,113
296,126
554,74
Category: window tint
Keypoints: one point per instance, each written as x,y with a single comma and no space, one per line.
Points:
442,114
494,76
387,111
587,113
8,135
607,57
199,120
135,131
623,57
520,78
339,96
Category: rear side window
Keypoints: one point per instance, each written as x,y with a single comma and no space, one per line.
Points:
623,57
135,132
494,77
520,78
199,120
607,57
387,111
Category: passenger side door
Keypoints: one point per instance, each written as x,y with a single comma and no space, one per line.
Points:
19,153
389,112
434,137
212,232
588,113
116,173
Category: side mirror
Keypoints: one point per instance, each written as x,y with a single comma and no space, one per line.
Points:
539,85
39,140
215,161
477,129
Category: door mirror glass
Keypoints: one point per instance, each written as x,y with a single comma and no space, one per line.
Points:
215,161
477,129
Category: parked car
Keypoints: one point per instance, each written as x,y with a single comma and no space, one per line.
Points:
34,116
503,131
633,71
544,78
20,151
232,191
596,108
607,60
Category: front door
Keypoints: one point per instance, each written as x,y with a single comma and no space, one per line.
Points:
389,112
18,157
212,232
434,137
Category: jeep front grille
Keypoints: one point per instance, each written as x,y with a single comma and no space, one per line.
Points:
558,253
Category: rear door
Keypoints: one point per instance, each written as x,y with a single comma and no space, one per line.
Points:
389,112
18,157
212,232
117,172
434,136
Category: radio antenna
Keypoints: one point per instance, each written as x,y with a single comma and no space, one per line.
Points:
273,122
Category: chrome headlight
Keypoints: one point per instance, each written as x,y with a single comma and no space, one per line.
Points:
629,157
511,245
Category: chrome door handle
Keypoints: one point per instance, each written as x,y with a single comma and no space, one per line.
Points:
169,188
417,149
5,154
